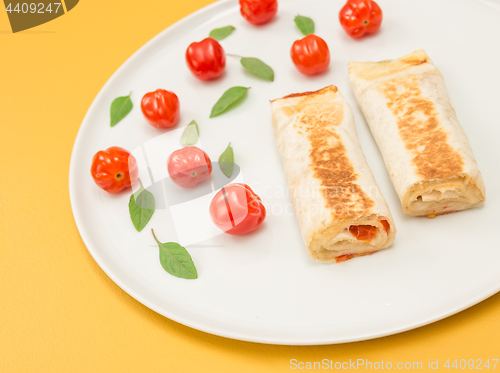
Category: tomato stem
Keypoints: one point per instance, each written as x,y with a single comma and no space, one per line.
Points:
233,55
156,239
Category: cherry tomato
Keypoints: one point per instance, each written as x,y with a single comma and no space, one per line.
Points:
386,225
363,232
161,108
258,12
206,59
360,17
310,55
189,166
236,209
345,257
114,169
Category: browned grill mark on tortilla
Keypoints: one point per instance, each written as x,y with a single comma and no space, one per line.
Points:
305,98
415,59
420,129
330,88
375,70
329,161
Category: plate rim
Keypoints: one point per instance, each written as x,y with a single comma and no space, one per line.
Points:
487,292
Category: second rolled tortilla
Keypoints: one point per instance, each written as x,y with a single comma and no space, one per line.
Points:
425,150
333,191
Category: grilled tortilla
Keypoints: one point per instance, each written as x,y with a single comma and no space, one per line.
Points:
339,207
425,150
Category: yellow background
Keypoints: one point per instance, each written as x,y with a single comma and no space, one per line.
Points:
59,312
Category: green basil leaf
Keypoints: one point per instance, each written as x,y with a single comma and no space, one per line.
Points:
141,208
305,25
190,134
221,33
258,67
176,260
120,107
226,161
229,97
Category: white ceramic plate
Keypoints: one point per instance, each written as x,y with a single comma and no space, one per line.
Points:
264,287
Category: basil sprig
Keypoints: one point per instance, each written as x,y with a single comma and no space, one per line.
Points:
305,24
120,107
229,97
141,208
226,161
221,33
258,67
190,134
176,260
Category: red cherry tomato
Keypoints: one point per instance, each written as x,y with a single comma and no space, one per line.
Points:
310,55
360,17
363,232
258,12
189,166
161,108
386,225
206,59
114,169
236,209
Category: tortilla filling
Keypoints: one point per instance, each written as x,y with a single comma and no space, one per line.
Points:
363,233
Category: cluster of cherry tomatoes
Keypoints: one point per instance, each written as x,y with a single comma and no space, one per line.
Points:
206,59
236,209
357,17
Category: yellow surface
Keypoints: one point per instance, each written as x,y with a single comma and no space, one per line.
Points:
59,312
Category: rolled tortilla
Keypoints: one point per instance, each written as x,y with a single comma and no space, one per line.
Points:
336,200
425,150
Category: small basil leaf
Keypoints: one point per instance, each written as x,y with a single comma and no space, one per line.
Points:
305,25
221,33
229,97
190,134
120,107
258,67
226,161
176,260
141,208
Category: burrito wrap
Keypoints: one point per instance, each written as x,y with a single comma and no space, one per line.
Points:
426,151
331,186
